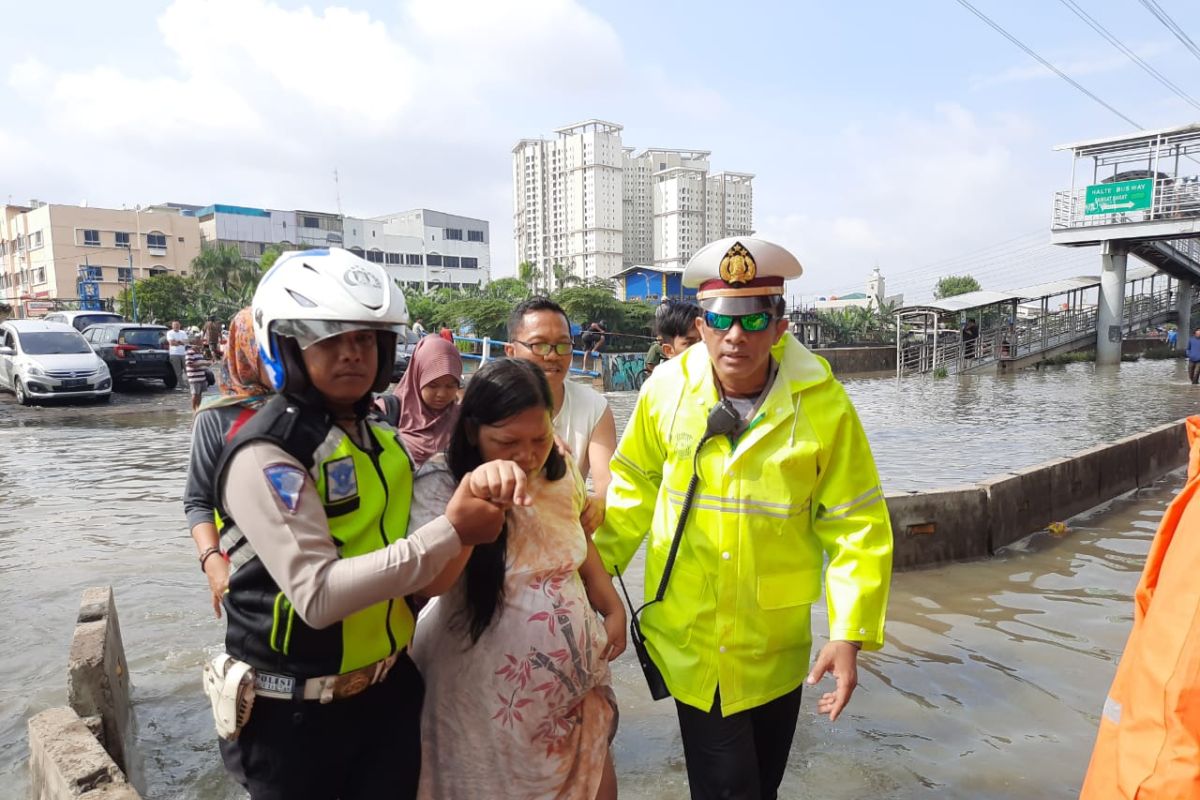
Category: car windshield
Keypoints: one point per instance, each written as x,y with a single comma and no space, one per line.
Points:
142,337
84,320
53,343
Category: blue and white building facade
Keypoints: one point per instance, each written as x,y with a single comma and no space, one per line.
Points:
422,249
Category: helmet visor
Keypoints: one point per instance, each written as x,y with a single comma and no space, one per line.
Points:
308,332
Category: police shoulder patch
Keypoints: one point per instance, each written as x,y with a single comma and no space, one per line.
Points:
286,481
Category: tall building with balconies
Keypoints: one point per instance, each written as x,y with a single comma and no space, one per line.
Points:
586,202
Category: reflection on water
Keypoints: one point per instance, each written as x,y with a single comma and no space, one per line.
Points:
989,686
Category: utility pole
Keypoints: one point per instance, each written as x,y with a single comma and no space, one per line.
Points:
337,190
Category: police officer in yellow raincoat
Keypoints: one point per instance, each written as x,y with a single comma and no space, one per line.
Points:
788,482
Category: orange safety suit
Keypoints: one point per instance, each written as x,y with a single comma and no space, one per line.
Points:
1148,746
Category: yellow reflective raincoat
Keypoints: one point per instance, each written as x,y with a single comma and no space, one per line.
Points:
799,484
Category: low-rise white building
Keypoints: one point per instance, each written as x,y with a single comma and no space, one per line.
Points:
420,248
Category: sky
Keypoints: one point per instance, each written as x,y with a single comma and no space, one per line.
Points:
907,135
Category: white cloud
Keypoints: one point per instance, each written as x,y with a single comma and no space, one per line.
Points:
255,103
908,191
1076,67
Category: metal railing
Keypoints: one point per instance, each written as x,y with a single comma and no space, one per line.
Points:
1009,342
482,352
1174,199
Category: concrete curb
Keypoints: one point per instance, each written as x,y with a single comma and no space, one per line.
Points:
975,520
82,751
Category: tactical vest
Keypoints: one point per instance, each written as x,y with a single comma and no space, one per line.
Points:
367,496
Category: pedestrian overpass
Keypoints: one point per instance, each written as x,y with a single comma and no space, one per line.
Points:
1025,326
1134,194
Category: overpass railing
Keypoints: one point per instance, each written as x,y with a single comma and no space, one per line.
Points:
1174,198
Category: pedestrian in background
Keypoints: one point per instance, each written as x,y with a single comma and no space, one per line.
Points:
177,347
197,381
1193,354
212,337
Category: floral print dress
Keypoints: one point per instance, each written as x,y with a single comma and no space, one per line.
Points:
528,711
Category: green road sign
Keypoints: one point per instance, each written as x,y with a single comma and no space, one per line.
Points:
1115,198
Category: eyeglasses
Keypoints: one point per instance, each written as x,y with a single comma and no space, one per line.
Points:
751,323
544,349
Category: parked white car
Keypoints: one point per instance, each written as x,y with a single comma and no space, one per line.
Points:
50,360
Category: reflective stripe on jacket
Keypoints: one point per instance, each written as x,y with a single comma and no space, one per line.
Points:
1148,745
799,484
367,497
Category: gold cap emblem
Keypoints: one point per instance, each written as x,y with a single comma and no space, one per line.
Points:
738,265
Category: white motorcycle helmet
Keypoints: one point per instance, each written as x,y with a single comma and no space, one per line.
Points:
310,295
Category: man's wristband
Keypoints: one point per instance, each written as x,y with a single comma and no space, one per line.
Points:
211,551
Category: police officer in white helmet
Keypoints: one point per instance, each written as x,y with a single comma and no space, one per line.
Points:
316,696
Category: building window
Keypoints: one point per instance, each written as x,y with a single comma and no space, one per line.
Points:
125,274
158,270
87,273
39,275
470,262
450,261
392,258
156,241
375,256
35,240
90,238
412,259
308,222
358,251
453,234
122,239
433,260
474,236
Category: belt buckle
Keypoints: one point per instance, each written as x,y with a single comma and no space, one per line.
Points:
351,684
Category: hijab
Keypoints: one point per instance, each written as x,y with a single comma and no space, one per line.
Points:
425,431
238,378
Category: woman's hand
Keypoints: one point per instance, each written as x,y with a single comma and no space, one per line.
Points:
614,627
502,483
592,516
216,569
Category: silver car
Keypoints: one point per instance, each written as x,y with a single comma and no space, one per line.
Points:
50,360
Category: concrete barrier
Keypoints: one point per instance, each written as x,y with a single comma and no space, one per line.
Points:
1018,503
945,525
97,676
852,360
962,522
67,761
1160,450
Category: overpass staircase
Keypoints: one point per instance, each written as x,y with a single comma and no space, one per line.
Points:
1008,346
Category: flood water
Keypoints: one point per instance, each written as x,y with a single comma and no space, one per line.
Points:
989,686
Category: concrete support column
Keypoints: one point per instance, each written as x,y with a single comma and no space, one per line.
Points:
1111,311
1183,311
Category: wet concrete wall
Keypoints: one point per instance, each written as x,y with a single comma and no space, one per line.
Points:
971,521
83,751
852,360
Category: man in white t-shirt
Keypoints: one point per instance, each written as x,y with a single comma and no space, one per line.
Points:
539,331
177,342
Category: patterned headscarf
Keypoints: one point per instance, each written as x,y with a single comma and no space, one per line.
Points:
238,379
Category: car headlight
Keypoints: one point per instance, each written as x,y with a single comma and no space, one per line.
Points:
34,369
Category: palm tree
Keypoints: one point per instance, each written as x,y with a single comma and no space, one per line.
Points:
564,277
529,274
223,273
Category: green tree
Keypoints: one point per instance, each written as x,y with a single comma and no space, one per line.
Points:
952,285
487,316
160,299
564,277
512,289
225,276
529,274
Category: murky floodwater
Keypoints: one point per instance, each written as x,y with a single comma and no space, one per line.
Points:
989,686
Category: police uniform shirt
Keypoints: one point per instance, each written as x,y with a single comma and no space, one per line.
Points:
298,552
